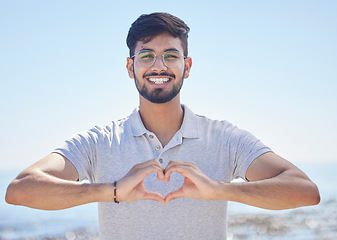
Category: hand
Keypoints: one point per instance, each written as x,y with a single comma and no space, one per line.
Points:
131,187
196,184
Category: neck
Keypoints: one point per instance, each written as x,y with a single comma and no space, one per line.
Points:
164,119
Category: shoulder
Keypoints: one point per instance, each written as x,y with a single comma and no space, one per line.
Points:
224,131
100,132
211,125
115,127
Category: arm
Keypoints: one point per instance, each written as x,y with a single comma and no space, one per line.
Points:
51,184
274,183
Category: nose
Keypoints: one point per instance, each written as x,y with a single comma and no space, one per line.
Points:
159,64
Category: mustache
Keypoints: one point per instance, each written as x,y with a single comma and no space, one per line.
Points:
165,74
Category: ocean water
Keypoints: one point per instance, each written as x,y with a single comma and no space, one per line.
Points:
17,222
305,223
245,222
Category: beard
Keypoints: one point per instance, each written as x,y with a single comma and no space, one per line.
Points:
158,95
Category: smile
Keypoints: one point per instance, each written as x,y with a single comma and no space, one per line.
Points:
158,80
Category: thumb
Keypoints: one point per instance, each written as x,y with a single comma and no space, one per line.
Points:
148,195
175,194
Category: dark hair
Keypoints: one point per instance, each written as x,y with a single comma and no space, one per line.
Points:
148,26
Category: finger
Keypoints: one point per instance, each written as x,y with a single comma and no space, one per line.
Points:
138,175
180,169
180,163
187,169
144,172
154,161
161,175
175,162
168,169
148,195
175,194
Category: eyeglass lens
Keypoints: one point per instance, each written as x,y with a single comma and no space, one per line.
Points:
147,58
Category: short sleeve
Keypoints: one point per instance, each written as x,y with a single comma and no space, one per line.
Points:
81,150
247,149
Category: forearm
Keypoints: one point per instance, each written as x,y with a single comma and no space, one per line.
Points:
281,192
42,191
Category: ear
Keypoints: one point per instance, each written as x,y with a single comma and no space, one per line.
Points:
129,67
188,65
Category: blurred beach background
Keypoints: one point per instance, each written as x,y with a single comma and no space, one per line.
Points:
266,66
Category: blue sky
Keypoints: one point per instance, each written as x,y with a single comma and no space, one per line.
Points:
266,66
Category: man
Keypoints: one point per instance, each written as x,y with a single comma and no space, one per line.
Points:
169,168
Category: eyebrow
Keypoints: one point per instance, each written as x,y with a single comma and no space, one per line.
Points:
146,49
166,50
171,50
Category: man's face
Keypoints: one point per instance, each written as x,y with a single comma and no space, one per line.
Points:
159,83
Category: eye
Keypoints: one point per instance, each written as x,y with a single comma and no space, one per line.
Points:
146,55
171,55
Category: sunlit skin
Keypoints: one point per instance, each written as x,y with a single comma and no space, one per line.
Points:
168,89
166,118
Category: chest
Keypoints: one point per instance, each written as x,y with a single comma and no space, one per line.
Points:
115,160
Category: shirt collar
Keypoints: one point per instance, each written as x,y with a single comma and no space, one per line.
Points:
136,124
189,127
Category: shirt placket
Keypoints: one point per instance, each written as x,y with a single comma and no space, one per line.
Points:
161,153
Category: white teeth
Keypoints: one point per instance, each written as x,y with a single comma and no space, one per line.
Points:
159,80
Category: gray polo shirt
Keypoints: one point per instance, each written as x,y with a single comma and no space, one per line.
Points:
106,153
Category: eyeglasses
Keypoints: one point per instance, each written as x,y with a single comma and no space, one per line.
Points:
147,58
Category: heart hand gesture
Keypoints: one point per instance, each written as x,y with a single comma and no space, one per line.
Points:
131,187
196,184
